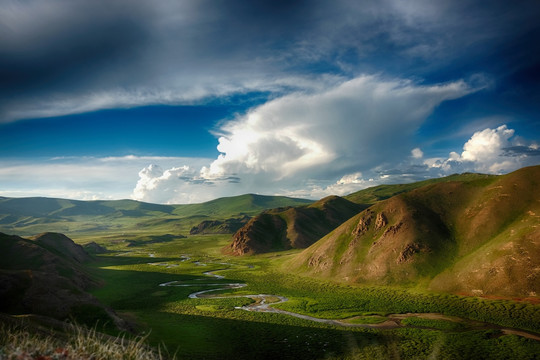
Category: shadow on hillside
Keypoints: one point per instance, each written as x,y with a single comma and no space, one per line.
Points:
206,334
198,337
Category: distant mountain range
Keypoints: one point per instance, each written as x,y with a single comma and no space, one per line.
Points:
29,216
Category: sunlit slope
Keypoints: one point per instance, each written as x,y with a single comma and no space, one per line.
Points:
375,194
480,236
293,227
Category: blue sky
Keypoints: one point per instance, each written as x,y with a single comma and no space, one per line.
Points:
185,101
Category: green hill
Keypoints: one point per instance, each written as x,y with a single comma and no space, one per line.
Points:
375,194
28,216
477,236
249,204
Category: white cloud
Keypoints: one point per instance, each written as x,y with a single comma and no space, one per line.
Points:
303,140
417,153
82,178
493,151
329,131
485,146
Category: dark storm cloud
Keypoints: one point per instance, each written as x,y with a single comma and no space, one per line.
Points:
59,57
521,150
66,45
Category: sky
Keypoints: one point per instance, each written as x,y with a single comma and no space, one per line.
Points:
186,101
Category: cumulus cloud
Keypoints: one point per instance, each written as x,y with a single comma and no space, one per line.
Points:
330,131
493,151
303,140
158,186
83,178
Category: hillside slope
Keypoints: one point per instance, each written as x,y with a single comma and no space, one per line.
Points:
480,236
375,194
292,227
44,276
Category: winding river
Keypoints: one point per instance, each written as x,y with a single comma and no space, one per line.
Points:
263,303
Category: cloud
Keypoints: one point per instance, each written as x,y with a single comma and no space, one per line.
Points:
417,153
68,57
80,178
493,151
330,131
304,139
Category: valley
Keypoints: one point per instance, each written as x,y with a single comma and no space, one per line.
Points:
192,297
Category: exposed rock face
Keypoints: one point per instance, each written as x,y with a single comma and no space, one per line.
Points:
229,226
381,221
407,253
263,233
363,224
298,227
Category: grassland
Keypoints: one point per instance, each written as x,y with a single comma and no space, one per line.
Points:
78,219
214,328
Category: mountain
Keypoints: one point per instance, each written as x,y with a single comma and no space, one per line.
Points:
44,276
248,204
28,216
291,227
478,236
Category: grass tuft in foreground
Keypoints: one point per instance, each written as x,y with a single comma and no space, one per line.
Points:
18,342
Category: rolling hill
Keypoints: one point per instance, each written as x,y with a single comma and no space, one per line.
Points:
291,227
29,216
476,236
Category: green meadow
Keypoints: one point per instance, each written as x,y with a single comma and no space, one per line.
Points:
214,327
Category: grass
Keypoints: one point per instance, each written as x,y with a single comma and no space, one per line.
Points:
434,324
88,219
24,343
209,328
366,320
